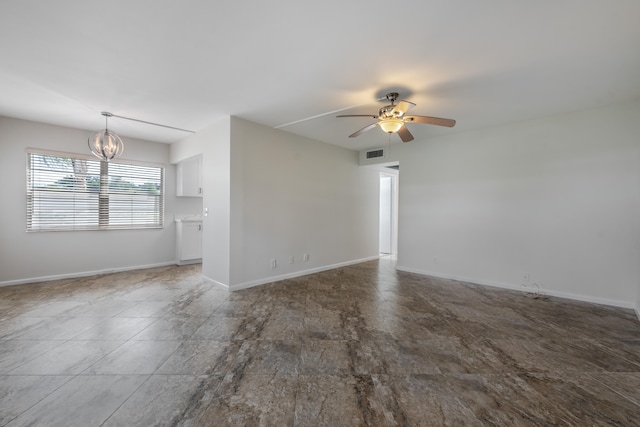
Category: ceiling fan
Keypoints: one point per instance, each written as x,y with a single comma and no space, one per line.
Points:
392,119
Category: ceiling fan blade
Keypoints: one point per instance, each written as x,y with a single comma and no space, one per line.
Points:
359,115
364,129
402,107
405,135
430,120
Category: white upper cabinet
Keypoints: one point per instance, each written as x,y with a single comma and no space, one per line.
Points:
189,177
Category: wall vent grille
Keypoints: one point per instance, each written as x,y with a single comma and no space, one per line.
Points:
375,153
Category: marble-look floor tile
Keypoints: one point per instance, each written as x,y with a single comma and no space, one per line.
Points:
134,357
252,400
420,400
457,355
16,326
288,307
322,305
116,329
10,310
14,353
19,393
201,358
332,400
405,356
136,294
104,308
568,355
282,328
230,329
583,400
262,357
326,357
147,309
486,395
389,356
166,400
625,349
242,308
333,327
198,303
602,326
54,309
171,329
626,384
502,328
411,307
69,358
59,329
415,329
86,400
169,294
294,289
357,345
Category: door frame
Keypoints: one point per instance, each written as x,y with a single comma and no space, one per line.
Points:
394,175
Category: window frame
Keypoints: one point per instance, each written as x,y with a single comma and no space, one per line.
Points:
103,210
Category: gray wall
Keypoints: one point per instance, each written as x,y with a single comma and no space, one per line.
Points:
555,198
272,195
26,257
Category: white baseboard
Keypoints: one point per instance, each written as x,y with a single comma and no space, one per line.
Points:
215,282
295,274
550,292
207,279
83,274
189,261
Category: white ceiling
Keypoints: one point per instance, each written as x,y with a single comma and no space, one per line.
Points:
185,63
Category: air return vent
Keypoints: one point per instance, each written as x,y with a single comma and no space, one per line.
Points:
375,153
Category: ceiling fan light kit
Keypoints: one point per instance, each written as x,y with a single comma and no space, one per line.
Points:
391,125
392,119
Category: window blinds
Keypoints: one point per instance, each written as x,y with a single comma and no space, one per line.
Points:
72,192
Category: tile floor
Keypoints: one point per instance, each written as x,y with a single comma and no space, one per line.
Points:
360,345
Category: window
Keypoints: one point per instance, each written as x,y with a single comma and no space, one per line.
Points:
75,192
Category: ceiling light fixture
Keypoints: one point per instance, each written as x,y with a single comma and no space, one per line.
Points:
391,125
105,144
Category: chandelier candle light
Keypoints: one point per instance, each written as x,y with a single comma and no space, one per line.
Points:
105,144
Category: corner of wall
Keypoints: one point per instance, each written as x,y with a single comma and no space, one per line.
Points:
215,282
293,275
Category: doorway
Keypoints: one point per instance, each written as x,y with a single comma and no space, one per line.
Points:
388,224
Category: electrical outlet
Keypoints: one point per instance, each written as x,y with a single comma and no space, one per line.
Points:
525,278
291,259
305,257
274,263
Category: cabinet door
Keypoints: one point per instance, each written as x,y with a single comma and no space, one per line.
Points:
189,177
191,241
